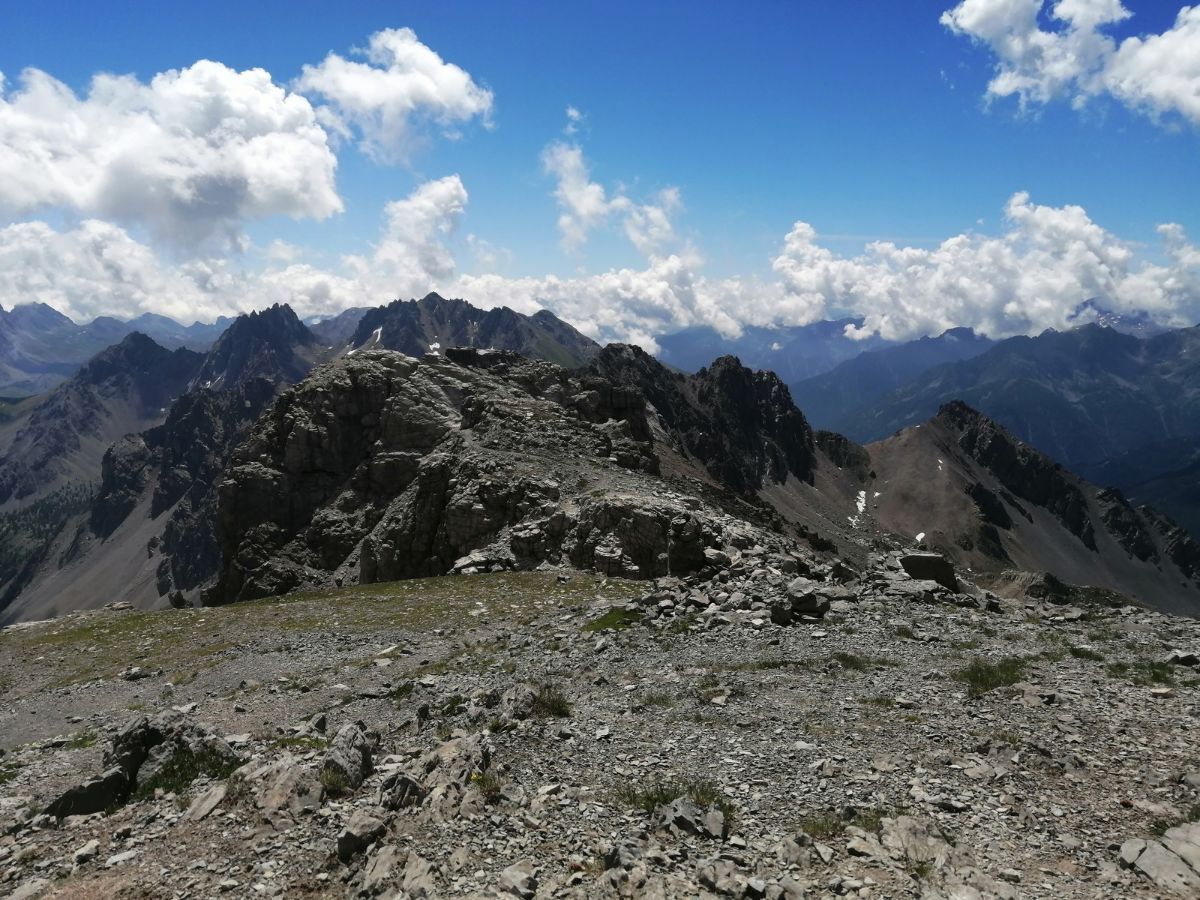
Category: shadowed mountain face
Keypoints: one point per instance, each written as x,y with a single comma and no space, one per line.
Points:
272,344
149,529
741,425
126,388
1081,396
415,327
335,332
793,353
992,502
835,399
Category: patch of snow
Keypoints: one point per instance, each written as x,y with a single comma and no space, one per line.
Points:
920,537
877,494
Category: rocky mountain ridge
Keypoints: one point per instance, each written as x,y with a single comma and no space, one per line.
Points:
991,502
395,467
416,327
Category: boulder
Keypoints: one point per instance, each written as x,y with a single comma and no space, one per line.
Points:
930,567
93,796
350,754
360,832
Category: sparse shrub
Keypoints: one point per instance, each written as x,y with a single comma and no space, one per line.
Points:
700,791
489,785
856,663
871,818
823,825
921,870
1086,653
551,702
981,676
334,782
904,631
453,705
659,698
184,767
401,692
300,742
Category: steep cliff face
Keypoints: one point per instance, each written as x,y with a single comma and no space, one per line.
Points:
740,425
381,466
992,502
415,327
1031,475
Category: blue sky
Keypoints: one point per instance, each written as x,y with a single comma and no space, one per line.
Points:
868,121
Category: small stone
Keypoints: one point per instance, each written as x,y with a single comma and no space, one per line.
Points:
1012,876
86,853
118,858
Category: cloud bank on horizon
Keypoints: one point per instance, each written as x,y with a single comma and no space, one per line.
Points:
153,183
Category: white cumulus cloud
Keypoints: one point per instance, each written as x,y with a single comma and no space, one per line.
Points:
1031,277
584,205
1075,59
398,85
189,156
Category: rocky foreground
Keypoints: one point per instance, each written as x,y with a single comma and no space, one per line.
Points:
557,734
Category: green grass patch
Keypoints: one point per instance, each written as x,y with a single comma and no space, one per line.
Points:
81,740
1086,653
334,782
615,620
303,742
981,675
96,645
700,791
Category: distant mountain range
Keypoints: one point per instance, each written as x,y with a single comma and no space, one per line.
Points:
40,347
792,353
835,399
111,482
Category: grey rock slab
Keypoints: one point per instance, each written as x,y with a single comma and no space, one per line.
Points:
1167,870
1184,842
930,567
519,880
383,868
350,754
360,832
87,852
206,803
